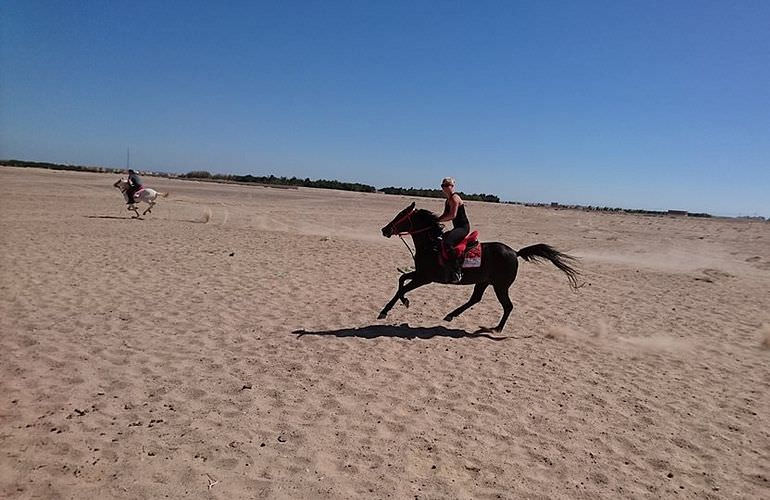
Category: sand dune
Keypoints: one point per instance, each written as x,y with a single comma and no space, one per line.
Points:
227,346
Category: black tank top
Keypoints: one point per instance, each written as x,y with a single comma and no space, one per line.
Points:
461,219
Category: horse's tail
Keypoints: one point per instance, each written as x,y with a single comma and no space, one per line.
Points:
163,195
563,261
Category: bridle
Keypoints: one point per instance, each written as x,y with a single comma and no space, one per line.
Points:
411,224
410,231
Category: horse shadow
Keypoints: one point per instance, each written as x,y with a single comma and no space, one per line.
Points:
131,217
403,331
108,217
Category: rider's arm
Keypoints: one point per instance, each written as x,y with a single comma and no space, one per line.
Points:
450,212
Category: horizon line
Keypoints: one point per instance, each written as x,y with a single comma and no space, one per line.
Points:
555,204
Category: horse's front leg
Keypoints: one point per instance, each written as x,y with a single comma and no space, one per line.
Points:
402,290
401,282
399,293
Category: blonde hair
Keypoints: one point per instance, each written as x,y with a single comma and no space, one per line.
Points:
448,180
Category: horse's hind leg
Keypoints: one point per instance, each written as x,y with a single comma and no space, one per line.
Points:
478,292
502,295
149,209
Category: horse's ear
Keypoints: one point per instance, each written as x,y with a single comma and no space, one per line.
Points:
411,207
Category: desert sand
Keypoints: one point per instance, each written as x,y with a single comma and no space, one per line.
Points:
227,346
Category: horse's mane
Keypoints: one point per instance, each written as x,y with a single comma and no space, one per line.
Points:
428,216
430,219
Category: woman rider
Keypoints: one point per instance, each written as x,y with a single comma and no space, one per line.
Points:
454,210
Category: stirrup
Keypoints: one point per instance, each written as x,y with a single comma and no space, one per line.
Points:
453,276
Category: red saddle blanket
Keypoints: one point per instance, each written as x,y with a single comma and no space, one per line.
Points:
472,255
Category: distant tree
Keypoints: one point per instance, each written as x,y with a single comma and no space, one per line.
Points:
197,174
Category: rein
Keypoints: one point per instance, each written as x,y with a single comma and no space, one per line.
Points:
403,233
407,247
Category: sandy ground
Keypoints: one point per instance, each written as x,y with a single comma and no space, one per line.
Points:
227,346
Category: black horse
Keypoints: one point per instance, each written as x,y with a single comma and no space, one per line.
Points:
499,263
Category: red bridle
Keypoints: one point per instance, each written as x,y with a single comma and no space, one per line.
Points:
409,218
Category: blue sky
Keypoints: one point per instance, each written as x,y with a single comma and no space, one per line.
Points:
637,104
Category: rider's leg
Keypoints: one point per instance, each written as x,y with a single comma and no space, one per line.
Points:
452,267
455,271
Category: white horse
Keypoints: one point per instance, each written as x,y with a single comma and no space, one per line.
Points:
145,195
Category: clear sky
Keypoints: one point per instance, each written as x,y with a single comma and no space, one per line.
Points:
636,104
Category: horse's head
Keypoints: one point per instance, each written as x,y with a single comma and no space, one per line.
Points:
411,221
400,222
121,184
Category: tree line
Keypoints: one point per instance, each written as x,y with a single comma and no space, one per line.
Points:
57,166
329,184
265,180
438,193
281,181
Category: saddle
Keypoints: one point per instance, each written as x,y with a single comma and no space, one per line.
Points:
468,249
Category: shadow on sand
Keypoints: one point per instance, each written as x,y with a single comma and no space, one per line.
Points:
108,217
403,331
131,217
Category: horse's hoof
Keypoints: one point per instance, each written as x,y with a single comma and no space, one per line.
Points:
448,317
382,316
405,302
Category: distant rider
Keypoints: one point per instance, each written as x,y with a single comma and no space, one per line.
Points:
454,210
134,185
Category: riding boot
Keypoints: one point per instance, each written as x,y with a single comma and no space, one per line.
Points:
452,272
448,273
455,272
